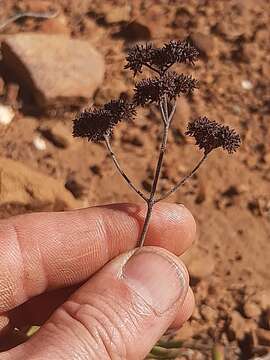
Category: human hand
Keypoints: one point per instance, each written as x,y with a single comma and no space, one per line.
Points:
125,303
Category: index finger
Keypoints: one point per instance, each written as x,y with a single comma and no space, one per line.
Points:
44,251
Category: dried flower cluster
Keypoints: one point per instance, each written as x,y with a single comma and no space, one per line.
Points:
161,59
97,124
210,135
170,84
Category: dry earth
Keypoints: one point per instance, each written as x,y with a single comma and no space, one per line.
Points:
229,197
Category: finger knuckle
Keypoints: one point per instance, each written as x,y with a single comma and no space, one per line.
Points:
105,325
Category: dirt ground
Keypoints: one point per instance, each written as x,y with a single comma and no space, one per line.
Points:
229,197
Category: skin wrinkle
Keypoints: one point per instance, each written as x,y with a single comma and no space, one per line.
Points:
26,294
92,331
103,309
61,330
9,293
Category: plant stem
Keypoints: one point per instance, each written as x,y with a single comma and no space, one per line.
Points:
182,181
151,201
121,171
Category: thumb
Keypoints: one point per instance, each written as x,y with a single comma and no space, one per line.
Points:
119,313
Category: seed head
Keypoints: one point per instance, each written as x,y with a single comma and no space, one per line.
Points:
172,53
138,56
93,124
161,58
121,109
97,123
170,84
210,135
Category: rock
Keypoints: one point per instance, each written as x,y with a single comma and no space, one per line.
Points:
57,25
77,189
262,298
57,70
135,31
23,186
252,310
57,134
263,336
118,14
209,314
201,267
239,326
246,84
204,43
185,333
6,114
39,143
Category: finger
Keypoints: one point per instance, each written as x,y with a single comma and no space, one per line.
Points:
185,312
44,251
29,313
118,314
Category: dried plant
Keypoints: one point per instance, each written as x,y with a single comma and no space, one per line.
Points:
97,124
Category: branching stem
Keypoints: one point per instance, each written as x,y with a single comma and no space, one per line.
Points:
151,201
121,171
182,181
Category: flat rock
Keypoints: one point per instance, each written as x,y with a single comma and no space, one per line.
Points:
23,186
56,69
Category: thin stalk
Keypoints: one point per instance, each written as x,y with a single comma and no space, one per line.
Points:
121,171
151,201
172,112
152,68
182,181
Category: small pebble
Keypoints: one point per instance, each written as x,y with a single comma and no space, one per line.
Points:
246,84
6,114
39,143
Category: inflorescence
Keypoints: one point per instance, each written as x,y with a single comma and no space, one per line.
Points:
210,135
97,124
170,84
161,59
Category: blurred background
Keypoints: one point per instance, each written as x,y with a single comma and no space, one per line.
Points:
58,56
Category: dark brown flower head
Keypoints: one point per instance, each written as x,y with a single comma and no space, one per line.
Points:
138,56
121,109
93,124
97,123
162,58
171,84
210,135
172,53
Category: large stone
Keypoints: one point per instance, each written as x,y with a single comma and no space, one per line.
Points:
22,186
57,70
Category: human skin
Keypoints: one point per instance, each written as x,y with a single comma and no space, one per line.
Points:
77,274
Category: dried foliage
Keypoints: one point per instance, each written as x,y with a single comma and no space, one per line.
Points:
95,124
171,85
161,59
210,135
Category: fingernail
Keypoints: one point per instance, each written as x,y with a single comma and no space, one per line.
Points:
157,278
